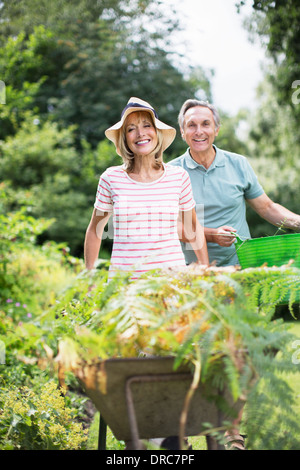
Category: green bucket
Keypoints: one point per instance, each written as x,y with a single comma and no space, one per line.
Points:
270,251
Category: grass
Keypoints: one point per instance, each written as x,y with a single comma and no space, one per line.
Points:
111,442
199,442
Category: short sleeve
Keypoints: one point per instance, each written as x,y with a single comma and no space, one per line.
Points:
253,188
186,200
103,201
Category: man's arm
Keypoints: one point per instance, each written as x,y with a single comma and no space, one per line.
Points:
275,213
267,209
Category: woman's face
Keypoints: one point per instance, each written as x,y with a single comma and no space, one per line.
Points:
140,132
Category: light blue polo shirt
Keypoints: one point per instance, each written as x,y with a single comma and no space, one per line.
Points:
220,193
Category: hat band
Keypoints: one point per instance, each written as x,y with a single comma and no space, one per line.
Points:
137,105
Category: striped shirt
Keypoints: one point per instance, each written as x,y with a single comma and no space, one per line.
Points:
145,218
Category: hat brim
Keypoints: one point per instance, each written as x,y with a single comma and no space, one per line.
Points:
168,132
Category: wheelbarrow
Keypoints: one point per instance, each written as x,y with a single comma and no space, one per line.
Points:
142,398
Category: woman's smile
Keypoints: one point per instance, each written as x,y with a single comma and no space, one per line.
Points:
142,142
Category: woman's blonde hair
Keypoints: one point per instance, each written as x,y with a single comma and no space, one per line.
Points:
128,156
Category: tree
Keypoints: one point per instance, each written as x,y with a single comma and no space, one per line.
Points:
63,16
277,24
89,59
274,142
69,70
274,151
42,166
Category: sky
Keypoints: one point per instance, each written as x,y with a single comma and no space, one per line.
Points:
216,39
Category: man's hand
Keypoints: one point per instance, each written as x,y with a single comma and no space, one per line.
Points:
223,236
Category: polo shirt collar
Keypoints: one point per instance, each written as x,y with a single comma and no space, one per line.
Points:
218,161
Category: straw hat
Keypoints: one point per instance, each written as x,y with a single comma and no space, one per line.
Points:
135,104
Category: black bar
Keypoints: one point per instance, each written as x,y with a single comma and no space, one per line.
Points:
102,434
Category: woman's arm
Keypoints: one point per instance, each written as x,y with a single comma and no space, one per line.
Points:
192,232
93,237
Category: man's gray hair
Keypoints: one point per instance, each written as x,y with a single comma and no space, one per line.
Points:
191,103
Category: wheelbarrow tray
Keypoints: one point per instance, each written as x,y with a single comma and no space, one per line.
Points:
147,393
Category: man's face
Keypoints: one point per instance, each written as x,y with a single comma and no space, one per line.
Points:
199,130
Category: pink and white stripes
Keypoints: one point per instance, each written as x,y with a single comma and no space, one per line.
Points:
145,217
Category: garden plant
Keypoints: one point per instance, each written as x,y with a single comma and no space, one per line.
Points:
237,329
57,319
217,320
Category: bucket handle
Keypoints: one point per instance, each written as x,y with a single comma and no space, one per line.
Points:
239,239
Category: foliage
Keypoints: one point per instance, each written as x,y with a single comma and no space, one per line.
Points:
274,138
77,50
29,274
208,318
69,70
27,14
228,135
273,133
42,167
111,442
276,25
56,113
31,278
32,420
37,153
282,20
271,286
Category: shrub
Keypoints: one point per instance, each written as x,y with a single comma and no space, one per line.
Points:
38,420
30,274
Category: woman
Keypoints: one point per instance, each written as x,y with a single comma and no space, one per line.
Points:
146,197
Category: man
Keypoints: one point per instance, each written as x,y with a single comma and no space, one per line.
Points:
222,183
